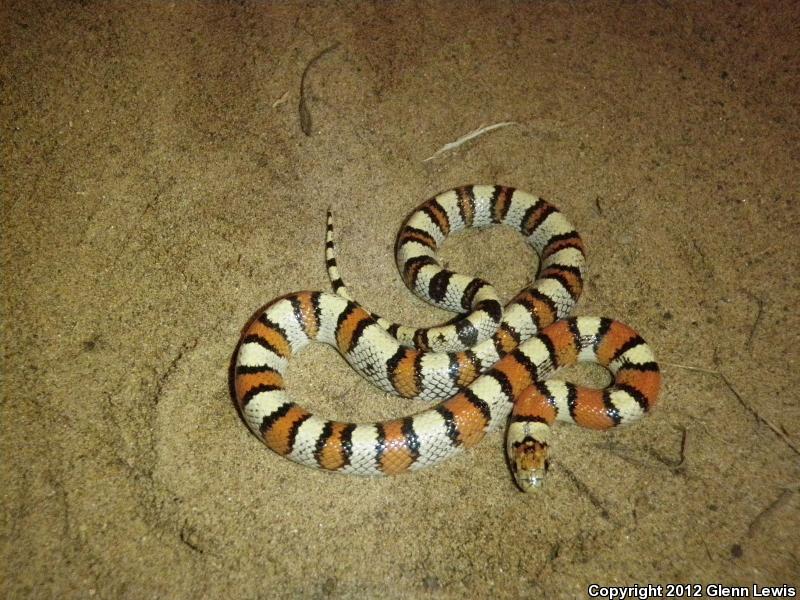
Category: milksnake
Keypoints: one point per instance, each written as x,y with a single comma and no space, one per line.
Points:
488,364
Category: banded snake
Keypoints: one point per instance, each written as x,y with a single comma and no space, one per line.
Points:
490,363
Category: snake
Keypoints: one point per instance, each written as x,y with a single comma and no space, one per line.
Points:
490,366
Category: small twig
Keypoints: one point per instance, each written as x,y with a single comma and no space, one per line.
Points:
626,454
584,489
756,321
690,368
471,135
763,252
281,100
305,114
775,429
187,536
776,504
674,464
708,552
597,204
682,455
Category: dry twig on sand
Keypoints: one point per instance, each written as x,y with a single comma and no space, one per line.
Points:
471,135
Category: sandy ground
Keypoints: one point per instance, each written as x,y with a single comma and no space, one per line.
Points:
158,188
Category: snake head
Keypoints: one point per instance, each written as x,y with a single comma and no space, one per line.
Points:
529,463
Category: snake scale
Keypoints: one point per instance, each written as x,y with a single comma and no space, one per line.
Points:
488,367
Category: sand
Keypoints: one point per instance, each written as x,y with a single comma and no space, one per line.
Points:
158,187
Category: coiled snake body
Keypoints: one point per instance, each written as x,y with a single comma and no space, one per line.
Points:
491,362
